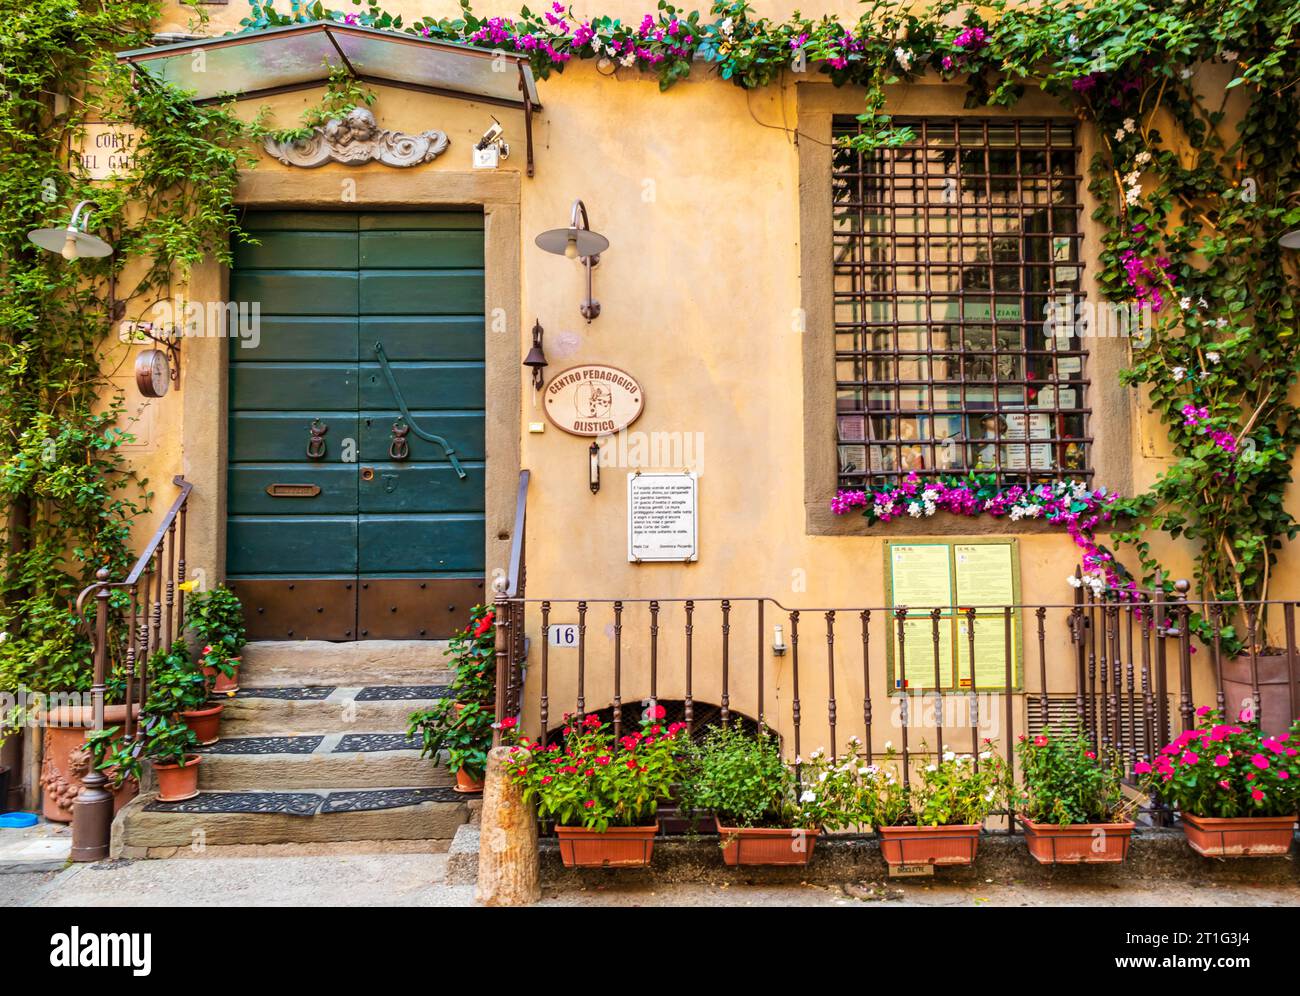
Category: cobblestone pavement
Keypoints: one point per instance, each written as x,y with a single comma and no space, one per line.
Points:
418,880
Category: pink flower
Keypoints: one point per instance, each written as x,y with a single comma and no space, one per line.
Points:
1141,768
590,803
1191,758
1284,775
1223,784
1259,761
1040,741
1203,711
1222,760
1257,795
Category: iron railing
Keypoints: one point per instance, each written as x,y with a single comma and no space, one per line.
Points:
152,618
1123,669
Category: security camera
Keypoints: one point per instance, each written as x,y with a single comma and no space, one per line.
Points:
492,136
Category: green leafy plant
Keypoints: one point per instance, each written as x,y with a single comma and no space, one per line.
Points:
216,618
951,790
160,738
460,723
741,779
175,684
590,781
1227,769
1063,781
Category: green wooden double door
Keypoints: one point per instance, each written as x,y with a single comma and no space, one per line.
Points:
341,525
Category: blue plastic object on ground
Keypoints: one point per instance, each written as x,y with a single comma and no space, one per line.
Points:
17,821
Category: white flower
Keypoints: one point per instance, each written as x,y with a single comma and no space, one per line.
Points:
1130,125
903,57
808,796
889,745
949,756
1074,582
931,767
1185,303
985,755
1119,135
3,637
1142,158
1132,196
988,796
628,59
1221,323
1230,55
817,754
726,26
1201,303
1186,72
1213,357
1179,372
824,776
965,759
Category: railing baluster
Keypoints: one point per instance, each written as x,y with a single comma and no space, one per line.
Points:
129,731
169,558
1252,621
937,698
690,633
762,661
1292,677
582,660
726,661
1161,619
1149,723
544,705
1185,657
618,670
654,652
1131,709
158,600
1090,717
900,617
1040,614
865,616
830,681
794,671
180,572
1011,725
973,702
1103,676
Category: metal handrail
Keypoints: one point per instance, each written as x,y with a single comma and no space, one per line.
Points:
515,578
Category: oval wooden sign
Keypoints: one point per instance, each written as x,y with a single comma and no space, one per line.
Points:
593,400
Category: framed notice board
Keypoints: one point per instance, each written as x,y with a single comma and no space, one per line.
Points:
954,576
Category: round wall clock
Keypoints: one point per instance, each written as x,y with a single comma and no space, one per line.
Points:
153,373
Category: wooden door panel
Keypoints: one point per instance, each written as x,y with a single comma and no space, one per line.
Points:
306,387
421,544
464,430
291,546
398,250
297,292
424,385
287,338
282,436
423,337
307,251
252,490
421,292
405,487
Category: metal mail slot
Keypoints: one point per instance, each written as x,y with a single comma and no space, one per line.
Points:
293,490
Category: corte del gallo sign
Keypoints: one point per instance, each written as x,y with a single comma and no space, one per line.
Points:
593,400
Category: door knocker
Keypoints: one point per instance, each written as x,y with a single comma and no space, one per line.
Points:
399,448
316,445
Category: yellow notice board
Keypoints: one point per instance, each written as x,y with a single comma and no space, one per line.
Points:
954,577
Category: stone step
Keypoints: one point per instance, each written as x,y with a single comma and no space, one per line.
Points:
147,828
279,663
324,761
296,710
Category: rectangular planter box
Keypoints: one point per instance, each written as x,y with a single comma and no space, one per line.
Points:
766,845
1239,837
617,847
939,846
1077,843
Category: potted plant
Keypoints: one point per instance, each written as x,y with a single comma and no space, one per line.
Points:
177,687
162,739
216,618
1237,789
937,818
601,795
1070,803
461,723
742,780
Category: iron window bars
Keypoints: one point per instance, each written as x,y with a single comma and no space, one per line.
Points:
950,249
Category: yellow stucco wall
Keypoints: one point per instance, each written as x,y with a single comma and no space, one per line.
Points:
697,190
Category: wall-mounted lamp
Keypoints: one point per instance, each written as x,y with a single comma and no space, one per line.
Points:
778,641
593,467
578,242
536,358
72,242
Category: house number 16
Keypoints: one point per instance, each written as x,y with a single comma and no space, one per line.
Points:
562,635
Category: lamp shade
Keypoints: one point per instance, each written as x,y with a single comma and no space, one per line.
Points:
1290,240
71,243
573,242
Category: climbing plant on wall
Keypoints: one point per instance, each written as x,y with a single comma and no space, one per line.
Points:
70,496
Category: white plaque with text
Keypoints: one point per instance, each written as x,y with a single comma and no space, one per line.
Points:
662,517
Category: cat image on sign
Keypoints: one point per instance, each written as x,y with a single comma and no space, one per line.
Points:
593,400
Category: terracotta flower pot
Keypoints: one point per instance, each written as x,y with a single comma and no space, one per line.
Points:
65,761
218,683
766,845
206,723
1240,836
465,782
617,847
178,782
947,845
1077,843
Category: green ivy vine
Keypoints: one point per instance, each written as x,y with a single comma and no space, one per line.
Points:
71,496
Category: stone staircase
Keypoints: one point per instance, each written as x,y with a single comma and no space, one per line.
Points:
313,755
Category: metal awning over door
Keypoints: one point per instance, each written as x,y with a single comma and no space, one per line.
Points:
301,56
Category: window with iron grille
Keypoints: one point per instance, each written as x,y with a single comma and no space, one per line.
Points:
951,251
